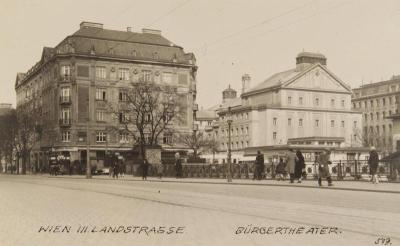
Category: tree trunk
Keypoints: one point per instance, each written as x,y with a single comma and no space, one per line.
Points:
23,164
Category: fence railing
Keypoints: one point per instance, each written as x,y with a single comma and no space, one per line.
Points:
340,170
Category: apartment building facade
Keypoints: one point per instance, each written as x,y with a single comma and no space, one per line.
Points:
74,82
378,103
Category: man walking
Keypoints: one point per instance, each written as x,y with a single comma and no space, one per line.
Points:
259,166
323,167
291,164
373,162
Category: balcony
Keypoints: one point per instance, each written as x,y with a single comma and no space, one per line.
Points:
66,122
65,77
65,99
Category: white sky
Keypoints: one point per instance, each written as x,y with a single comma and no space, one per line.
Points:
360,38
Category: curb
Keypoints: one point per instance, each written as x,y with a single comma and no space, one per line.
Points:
246,184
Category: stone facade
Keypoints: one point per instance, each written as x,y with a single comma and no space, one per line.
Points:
304,107
74,82
378,102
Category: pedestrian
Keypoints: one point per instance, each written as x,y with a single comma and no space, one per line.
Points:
145,168
323,161
160,170
121,168
280,170
115,168
373,163
259,166
290,164
178,165
299,166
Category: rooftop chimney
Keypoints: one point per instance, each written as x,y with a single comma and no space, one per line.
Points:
151,31
86,24
129,29
246,79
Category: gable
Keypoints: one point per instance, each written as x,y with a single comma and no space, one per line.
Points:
317,78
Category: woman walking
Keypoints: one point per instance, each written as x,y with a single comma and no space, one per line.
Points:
323,167
145,168
299,166
373,163
291,163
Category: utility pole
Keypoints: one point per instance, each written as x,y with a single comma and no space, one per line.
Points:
229,119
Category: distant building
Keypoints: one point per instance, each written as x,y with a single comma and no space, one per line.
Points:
377,103
72,83
307,107
5,108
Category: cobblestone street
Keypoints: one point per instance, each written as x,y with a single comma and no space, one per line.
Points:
210,214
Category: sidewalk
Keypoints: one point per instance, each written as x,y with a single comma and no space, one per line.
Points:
311,184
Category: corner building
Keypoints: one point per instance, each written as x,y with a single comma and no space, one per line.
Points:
73,83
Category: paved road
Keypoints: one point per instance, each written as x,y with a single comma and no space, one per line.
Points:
209,214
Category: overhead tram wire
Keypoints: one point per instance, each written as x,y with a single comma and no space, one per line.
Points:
169,12
266,21
287,24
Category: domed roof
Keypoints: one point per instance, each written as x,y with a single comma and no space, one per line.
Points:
311,54
229,89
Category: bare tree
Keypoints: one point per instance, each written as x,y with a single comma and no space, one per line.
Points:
146,110
28,133
194,141
8,132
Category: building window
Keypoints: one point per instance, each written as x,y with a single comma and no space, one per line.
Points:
300,122
65,115
123,137
274,121
100,115
66,136
332,123
65,71
146,75
289,99
377,115
123,117
123,96
372,116
383,101
123,73
65,94
101,137
101,94
383,115
274,135
300,100
167,139
167,77
247,130
317,123
377,102
371,103
100,72
390,112
289,122
342,123
333,103
355,124
317,101
247,144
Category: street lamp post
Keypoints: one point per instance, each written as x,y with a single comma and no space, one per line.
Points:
229,176
88,167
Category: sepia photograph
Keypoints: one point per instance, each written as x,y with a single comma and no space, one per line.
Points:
199,122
